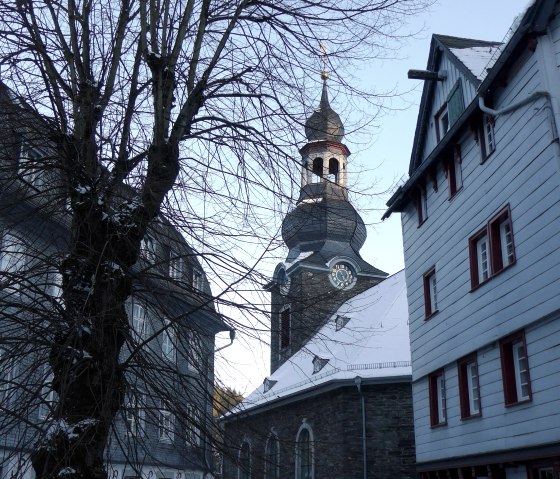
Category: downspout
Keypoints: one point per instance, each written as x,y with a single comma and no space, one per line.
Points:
358,381
209,474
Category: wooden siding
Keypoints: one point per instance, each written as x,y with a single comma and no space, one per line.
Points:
499,427
440,97
522,172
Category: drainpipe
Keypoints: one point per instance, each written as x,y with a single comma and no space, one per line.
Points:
532,97
209,474
358,381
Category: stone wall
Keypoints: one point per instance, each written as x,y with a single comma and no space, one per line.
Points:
335,418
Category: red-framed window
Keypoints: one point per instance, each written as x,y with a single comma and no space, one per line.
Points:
430,293
469,387
515,369
452,167
438,407
492,248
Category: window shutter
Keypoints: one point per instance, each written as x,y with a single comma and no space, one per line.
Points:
455,102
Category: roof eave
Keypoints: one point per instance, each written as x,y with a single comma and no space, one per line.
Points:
312,392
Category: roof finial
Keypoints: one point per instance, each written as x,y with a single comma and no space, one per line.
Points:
324,73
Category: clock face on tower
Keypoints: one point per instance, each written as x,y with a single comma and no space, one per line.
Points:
342,275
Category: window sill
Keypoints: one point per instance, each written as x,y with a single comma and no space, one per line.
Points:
454,195
476,286
436,426
472,416
485,158
431,315
524,401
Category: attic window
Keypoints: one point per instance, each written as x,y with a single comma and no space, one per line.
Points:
318,364
268,384
442,122
340,322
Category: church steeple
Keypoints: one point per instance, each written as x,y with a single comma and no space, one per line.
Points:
323,213
324,234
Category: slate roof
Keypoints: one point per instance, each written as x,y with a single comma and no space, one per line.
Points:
373,344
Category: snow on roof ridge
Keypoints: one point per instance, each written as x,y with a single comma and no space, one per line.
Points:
508,36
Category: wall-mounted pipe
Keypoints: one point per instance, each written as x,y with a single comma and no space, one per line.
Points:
358,381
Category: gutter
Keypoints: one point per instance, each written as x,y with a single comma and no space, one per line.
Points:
311,391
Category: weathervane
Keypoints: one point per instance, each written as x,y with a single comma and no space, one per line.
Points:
324,73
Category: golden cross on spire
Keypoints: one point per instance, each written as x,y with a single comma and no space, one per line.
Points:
324,73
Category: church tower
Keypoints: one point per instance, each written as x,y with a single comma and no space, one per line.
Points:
324,234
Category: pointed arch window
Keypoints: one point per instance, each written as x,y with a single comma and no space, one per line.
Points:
304,454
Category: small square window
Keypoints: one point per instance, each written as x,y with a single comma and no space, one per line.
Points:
430,293
438,407
515,369
469,389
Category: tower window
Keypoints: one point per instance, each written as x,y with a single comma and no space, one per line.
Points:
285,319
317,170
333,170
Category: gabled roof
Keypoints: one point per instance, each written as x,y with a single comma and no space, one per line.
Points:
372,344
532,21
471,57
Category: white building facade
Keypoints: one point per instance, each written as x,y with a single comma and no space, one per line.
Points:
481,227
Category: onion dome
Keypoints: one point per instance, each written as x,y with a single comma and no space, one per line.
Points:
324,123
312,224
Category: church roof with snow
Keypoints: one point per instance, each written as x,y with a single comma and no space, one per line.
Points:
366,337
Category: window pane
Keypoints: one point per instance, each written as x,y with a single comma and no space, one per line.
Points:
474,393
506,240
521,370
482,258
433,292
442,416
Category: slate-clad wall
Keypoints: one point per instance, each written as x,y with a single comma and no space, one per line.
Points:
336,420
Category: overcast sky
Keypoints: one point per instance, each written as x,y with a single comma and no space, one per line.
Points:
245,364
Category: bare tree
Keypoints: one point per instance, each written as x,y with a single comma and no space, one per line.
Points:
186,108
